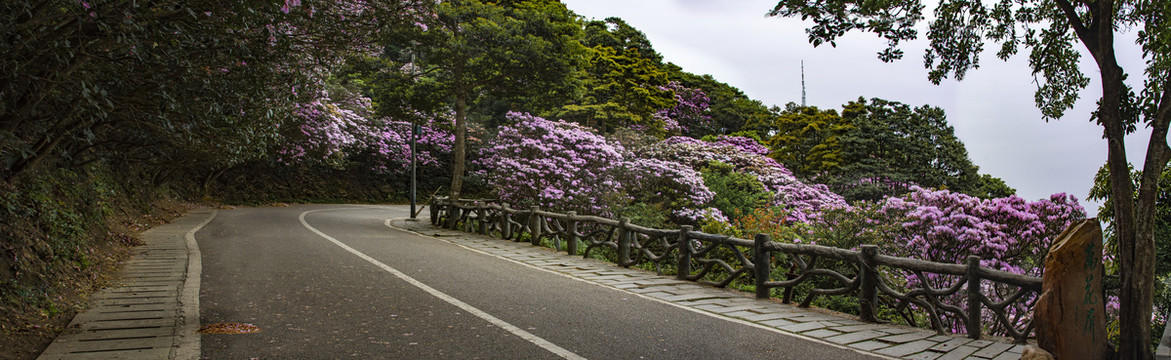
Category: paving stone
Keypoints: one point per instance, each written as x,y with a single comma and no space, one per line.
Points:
767,316
700,302
908,337
941,338
907,349
686,297
741,313
950,344
821,333
777,323
992,350
869,345
658,295
959,353
979,343
803,327
711,307
850,322
1008,356
811,317
926,355
853,328
853,337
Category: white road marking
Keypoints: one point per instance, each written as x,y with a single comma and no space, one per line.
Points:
545,344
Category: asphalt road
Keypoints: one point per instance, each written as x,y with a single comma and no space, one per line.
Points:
333,281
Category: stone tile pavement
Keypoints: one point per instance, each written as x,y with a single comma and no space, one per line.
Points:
884,340
153,313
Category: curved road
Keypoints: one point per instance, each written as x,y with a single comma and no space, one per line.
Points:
333,281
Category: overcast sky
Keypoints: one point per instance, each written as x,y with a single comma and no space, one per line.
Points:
992,109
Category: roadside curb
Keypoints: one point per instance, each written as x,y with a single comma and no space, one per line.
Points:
886,341
153,311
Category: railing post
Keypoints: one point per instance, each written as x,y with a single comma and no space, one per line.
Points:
623,243
453,215
571,238
868,299
761,265
435,204
482,215
974,297
788,297
505,221
535,226
684,264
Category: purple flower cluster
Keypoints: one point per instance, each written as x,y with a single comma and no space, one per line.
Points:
803,201
690,112
564,166
552,164
1009,233
680,187
331,131
744,144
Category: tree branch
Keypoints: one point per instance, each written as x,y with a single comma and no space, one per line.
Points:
1080,28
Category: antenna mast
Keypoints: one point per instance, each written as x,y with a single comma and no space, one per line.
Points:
802,83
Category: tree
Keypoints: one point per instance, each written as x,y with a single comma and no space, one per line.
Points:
891,147
623,89
1050,30
807,139
479,47
730,109
177,83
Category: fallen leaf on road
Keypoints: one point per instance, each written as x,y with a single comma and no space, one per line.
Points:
229,328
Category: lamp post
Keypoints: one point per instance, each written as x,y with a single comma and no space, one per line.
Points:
414,135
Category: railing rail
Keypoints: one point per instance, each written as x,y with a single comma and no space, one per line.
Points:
957,300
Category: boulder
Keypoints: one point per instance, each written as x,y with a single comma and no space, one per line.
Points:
1070,315
1032,352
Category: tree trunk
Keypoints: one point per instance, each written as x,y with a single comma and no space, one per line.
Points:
458,150
1134,227
1137,344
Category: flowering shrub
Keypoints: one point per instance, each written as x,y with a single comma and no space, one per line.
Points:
552,164
689,115
803,201
324,128
747,145
333,131
1008,233
680,189
564,166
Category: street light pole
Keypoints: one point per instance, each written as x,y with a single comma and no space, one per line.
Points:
414,134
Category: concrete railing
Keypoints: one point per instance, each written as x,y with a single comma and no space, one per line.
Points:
967,298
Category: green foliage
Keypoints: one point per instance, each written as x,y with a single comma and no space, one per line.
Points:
54,222
736,193
644,214
731,110
1101,192
623,89
1052,32
175,84
808,140
892,146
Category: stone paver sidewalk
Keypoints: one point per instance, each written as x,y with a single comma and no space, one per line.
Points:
833,330
153,313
